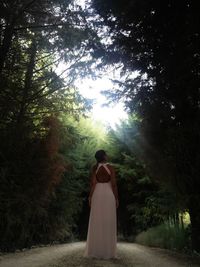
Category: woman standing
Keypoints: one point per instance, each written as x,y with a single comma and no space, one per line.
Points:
103,200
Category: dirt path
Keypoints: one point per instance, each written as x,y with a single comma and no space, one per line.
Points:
70,255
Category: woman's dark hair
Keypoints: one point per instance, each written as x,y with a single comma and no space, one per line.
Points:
100,155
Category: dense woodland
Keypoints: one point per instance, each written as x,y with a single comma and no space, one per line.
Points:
48,140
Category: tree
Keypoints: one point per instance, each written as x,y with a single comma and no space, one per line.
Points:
35,37
144,202
43,34
161,42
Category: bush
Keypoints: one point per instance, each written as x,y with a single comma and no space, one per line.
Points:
165,236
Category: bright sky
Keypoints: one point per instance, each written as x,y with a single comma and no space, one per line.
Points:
110,115
91,89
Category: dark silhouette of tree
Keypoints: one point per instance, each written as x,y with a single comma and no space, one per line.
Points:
160,40
35,36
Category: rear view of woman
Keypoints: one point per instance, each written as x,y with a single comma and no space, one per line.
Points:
103,200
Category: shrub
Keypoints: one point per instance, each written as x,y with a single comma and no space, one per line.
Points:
165,236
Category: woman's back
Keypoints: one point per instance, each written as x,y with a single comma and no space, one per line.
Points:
103,173
102,227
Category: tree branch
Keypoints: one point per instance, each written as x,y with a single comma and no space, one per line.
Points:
44,26
38,70
25,7
53,80
41,58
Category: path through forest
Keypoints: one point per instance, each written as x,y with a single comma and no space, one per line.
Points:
70,255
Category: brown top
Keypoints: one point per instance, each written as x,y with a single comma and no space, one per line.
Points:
102,175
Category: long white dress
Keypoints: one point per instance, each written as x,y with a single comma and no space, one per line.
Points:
102,228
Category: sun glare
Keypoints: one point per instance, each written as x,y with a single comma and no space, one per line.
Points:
91,88
108,115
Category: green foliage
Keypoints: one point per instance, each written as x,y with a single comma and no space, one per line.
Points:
86,138
43,198
143,202
30,170
38,199
165,236
36,38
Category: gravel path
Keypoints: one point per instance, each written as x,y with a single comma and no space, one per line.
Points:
71,255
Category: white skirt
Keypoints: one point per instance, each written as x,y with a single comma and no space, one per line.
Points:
102,228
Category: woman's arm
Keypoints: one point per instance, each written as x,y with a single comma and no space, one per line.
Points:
93,182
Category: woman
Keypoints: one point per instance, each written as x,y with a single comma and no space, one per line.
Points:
103,200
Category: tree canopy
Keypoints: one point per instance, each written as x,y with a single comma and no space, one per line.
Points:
159,42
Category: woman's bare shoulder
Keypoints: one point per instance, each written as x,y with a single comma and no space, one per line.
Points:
110,166
93,168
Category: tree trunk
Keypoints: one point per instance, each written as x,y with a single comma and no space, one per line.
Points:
194,211
9,32
7,40
181,220
28,81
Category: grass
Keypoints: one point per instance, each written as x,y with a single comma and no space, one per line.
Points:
165,236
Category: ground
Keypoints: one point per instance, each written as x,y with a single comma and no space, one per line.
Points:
71,255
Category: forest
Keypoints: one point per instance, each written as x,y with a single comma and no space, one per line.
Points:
48,139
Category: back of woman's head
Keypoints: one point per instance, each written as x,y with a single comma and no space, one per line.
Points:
100,155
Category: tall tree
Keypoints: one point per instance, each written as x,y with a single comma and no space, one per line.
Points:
161,40
44,33
144,202
35,36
